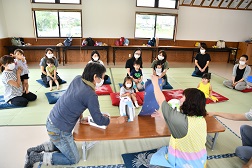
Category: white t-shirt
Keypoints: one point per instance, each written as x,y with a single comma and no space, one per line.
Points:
99,61
9,90
20,63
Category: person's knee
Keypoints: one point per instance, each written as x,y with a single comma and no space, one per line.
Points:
75,159
21,103
240,152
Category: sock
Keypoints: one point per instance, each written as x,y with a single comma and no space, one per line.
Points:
47,147
33,158
38,149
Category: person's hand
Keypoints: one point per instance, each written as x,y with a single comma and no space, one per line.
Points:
154,79
122,119
84,120
54,78
106,115
201,70
128,94
234,84
157,114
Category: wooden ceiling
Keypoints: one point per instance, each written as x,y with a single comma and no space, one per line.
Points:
221,4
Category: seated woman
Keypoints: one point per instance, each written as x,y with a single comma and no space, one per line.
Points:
188,130
95,57
137,56
161,61
43,65
202,60
13,90
240,73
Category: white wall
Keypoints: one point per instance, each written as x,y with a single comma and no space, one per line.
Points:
214,24
116,18
3,32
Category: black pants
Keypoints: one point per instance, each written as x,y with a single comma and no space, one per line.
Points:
23,100
199,73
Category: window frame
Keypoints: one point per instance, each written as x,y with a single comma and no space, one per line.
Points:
56,2
156,14
57,10
156,5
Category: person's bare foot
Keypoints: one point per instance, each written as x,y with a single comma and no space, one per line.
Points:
51,89
58,87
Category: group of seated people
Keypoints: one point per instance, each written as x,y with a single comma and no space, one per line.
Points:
187,126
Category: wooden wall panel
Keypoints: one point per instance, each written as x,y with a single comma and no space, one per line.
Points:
121,55
4,42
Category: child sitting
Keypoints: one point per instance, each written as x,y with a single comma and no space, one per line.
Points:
137,76
206,87
21,62
51,73
95,57
159,70
127,90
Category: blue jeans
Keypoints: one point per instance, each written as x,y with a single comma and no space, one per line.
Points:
244,152
68,153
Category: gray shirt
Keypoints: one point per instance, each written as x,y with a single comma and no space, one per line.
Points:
246,72
177,122
9,90
123,91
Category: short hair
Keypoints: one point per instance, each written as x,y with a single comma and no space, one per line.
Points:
48,49
206,76
137,62
92,69
6,59
50,61
126,79
195,102
245,56
93,53
19,50
203,45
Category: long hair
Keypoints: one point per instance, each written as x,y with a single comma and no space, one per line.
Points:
195,103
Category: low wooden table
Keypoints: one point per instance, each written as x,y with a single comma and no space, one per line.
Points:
141,127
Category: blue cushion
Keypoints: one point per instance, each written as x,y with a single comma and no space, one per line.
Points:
150,104
43,84
108,81
249,79
138,159
4,105
167,86
52,97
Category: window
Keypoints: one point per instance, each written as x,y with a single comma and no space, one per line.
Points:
57,23
58,1
157,3
155,25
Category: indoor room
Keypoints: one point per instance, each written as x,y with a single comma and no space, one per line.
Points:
125,83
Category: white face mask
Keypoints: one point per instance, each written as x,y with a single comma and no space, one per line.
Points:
160,57
202,51
136,56
11,66
242,62
49,55
99,84
96,58
128,85
158,71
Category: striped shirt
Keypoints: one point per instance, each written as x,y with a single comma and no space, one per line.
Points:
9,90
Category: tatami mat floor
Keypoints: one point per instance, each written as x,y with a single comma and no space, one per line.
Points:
22,128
